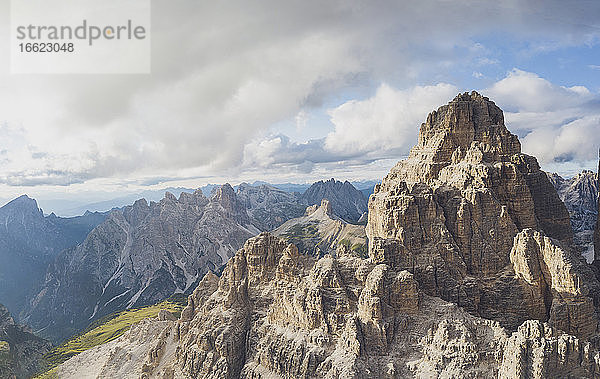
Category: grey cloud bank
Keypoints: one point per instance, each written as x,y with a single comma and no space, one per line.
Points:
223,74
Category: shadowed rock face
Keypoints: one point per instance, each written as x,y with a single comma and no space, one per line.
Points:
469,275
346,201
268,206
580,195
29,241
21,352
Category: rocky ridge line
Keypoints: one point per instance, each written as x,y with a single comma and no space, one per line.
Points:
320,232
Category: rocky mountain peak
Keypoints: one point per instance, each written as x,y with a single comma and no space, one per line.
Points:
455,208
469,274
346,201
139,255
470,127
29,242
23,204
196,197
226,197
143,203
324,207
170,196
579,193
465,145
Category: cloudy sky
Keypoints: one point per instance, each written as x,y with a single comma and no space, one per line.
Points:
300,91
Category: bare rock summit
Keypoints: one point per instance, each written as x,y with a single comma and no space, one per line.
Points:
466,197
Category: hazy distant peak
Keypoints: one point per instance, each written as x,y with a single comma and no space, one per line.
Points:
346,201
23,201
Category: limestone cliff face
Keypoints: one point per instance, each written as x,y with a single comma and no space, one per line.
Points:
469,274
560,285
275,313
537,351
452,211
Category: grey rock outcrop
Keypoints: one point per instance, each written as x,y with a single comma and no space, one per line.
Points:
536,350
453,209
277,313
268,206
141,254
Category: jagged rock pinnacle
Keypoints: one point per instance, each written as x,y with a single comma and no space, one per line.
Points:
467,119
458,201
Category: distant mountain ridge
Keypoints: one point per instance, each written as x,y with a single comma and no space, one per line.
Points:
77,206
346,201
145,252
70,208
580,195
29,241
139,255
269,206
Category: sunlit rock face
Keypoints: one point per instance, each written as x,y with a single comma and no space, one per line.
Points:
464,199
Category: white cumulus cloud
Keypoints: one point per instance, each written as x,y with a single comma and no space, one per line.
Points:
556,124
387,121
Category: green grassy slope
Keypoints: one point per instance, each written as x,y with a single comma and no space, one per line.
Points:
107,329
